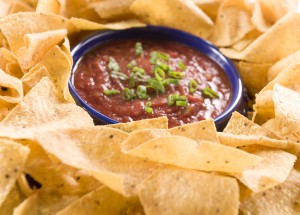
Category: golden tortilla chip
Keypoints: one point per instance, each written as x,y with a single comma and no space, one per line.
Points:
232,24
13,199
37,45
33,77
262,50
209,7
180,14
154,123
254,75
84,24
13,157
9,63
11,90
187,153
29,23
281,199
273,170
108,9
19,6
41,109
180,191
48,6
246,40
103,201
287,113
203,130
44,202
97,150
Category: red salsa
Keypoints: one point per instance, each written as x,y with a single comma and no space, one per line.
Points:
129,80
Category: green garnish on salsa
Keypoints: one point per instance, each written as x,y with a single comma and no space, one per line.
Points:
136,79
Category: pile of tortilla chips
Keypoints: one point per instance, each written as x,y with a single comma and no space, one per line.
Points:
54,160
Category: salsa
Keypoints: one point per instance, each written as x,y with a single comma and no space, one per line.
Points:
130,80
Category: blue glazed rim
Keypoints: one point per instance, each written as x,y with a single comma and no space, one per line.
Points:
158,32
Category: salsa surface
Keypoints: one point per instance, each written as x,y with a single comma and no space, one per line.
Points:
104,77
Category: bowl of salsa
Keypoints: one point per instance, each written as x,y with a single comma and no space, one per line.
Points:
140,73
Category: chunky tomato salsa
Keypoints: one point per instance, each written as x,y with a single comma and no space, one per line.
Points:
130,80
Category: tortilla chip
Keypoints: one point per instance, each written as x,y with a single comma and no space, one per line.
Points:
263,107
48,6
187,153
273,170
29,23
246,40
13,157
84,24
154,123
281,199
19,6
9,63
180,14
55,175
174,190
263,50
44,110
13,199
108,9
97,150
37,45
203,130
232,24
103,201
254,75
209,7
33,77
11,89
287,113
44,202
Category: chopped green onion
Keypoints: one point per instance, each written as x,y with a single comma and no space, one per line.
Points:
148,108
159,74
181,65
174,98
210,93
157,85
131,64
113,65
169,81
138,49
151,90
142,92
162,65
181,103
138,69
131,80
111,92
158,55
118,75
128,94
177,75
193,85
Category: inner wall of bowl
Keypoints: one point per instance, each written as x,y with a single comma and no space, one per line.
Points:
154,32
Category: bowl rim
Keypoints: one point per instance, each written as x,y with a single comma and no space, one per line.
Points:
99,37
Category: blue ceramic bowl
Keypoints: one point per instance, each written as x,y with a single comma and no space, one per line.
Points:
237,101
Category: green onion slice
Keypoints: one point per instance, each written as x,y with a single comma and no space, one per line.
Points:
128,94
177,99
157,85
210,93
118,75
113,65
181,103
193,85
169,81
181,65
177,75
154,56
131,64
138,49
132,80
148,108
162,65
111,92
159,74
142,92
